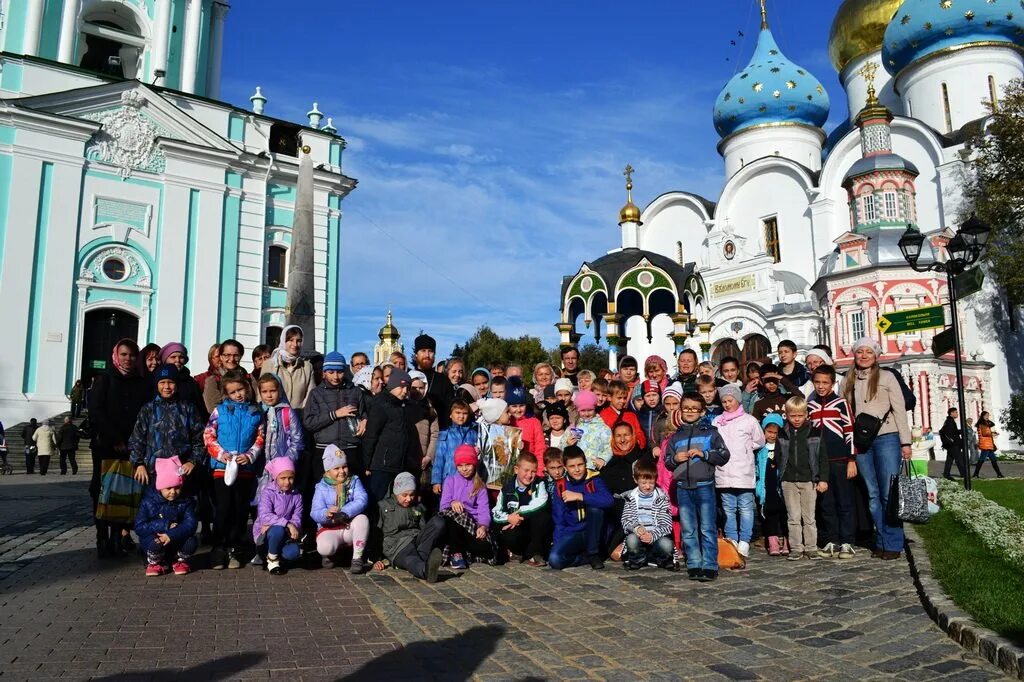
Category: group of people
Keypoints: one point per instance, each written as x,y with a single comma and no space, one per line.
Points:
417,466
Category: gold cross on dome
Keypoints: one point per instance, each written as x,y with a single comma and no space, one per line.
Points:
867,72
629,175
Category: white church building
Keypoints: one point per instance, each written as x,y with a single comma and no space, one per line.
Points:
134,203
801,242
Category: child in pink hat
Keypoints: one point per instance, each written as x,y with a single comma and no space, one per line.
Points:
167,522
278,516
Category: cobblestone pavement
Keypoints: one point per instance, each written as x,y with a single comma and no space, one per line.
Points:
64,614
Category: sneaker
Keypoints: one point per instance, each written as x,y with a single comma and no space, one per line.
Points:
827,552
694,573
327,562
536,561
514,558
811,555
846,551
743,548
274,566
181,567
458,562
630,566
357,566
233,561
155,570
433,564
795,556
256,560
710,574
596,562
773,545
218,559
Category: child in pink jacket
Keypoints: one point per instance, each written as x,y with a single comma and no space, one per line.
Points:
735,480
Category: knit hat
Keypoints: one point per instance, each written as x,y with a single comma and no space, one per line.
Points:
465,454
415,374
730,390
399,377
491,409
773,418
564,384
585,400
867,342
278,466
557,409
172,348
333,457
335,361
404,483
650,387
515,392
769,368
166,372
364,378
819,353
424,342
168,473
675,389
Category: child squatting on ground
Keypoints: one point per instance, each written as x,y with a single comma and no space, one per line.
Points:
167,522
339,506
279,516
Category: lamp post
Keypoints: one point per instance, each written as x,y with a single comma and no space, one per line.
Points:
963,251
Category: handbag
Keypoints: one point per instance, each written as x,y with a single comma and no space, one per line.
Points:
908,498
865,426
120,493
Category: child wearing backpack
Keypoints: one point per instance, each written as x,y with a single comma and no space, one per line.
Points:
578,507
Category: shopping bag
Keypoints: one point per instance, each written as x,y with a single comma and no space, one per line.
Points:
230,471
908,498
120,493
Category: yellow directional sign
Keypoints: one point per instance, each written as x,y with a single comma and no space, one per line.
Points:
903,321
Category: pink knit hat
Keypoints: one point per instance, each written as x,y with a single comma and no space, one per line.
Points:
279,465
465,454
168,473
585,400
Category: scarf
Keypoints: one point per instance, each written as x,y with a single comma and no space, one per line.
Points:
283,356
726,417
660,362
340,488
117,361
622,452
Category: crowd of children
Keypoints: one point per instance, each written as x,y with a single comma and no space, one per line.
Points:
414,469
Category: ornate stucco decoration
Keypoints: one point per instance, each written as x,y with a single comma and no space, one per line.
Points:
127,139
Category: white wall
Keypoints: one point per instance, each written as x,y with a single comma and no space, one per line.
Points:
673,218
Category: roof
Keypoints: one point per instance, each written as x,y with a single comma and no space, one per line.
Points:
878,162
611,266
882,248
792,283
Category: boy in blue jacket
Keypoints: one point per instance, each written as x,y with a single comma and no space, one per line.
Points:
166,522
460,432
577,509
691,454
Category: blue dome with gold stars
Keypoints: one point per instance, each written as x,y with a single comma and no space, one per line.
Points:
926,28
770,89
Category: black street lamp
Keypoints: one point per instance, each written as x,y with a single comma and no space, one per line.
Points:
963,251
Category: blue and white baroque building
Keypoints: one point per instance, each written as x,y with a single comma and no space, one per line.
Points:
134,203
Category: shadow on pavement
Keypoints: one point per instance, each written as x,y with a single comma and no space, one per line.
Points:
452,658
219,669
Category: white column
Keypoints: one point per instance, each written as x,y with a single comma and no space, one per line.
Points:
220,12
33,26
190,54
161,40
68,31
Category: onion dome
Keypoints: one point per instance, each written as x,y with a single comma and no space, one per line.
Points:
389,331
770,90
629,213
858,29
929,28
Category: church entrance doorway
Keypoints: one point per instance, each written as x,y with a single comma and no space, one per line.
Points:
102,329
756,348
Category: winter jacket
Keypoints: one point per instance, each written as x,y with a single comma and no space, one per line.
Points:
611,417
399,525
788,447
287,438
318,416
660,509
596,441
762,467
391,443
276,508
743,437
571,517
533,435
164,429
986,441
949,434
297,379
325,496
512,500
648,419
458,488
444,454
234,428
213,392
687,381
189,390
67,437
156,515
831,415
770,403
750,400
27,431
44,440
700,435
617,473
798,376
441,394
114,403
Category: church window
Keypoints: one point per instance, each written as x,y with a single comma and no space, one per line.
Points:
891,207
111,42
114,269
857,324
771,238
679,252
870,211
277,266
992,97
945,108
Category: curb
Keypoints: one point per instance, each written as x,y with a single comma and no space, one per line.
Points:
955,622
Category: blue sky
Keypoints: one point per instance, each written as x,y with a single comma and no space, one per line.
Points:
489,137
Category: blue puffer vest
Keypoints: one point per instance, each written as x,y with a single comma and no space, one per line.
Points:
237,424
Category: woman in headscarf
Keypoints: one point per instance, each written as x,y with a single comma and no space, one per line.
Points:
114,403
293,371
617,474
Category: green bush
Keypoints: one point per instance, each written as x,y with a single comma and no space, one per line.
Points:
1013,417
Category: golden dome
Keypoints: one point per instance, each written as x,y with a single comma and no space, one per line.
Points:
859,29
389,330
629,213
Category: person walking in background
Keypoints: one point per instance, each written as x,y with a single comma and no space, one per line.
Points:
27,433
952,443
77,398
67,443
44,440
986,445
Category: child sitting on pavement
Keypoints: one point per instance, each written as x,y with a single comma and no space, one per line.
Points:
647,521
467,513
167,522
522,519
278,516
339,510
410,542
577,509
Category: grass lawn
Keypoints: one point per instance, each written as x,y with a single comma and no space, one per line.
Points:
1008,492
985,586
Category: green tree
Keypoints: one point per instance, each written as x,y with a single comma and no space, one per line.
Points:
486,347
1013,417
994,188
592,357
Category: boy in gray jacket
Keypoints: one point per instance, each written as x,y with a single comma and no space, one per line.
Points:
803,468
409,543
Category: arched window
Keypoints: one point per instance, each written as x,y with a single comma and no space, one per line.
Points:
277,266
756,348
112,42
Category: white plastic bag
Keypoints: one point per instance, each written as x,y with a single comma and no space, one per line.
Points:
231,471
933,494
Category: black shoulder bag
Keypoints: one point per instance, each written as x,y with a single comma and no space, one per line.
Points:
865,426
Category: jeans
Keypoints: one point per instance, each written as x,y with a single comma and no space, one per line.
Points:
573,549
279,543
739,502
882,461
837,506
697,515
416,554
658,552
